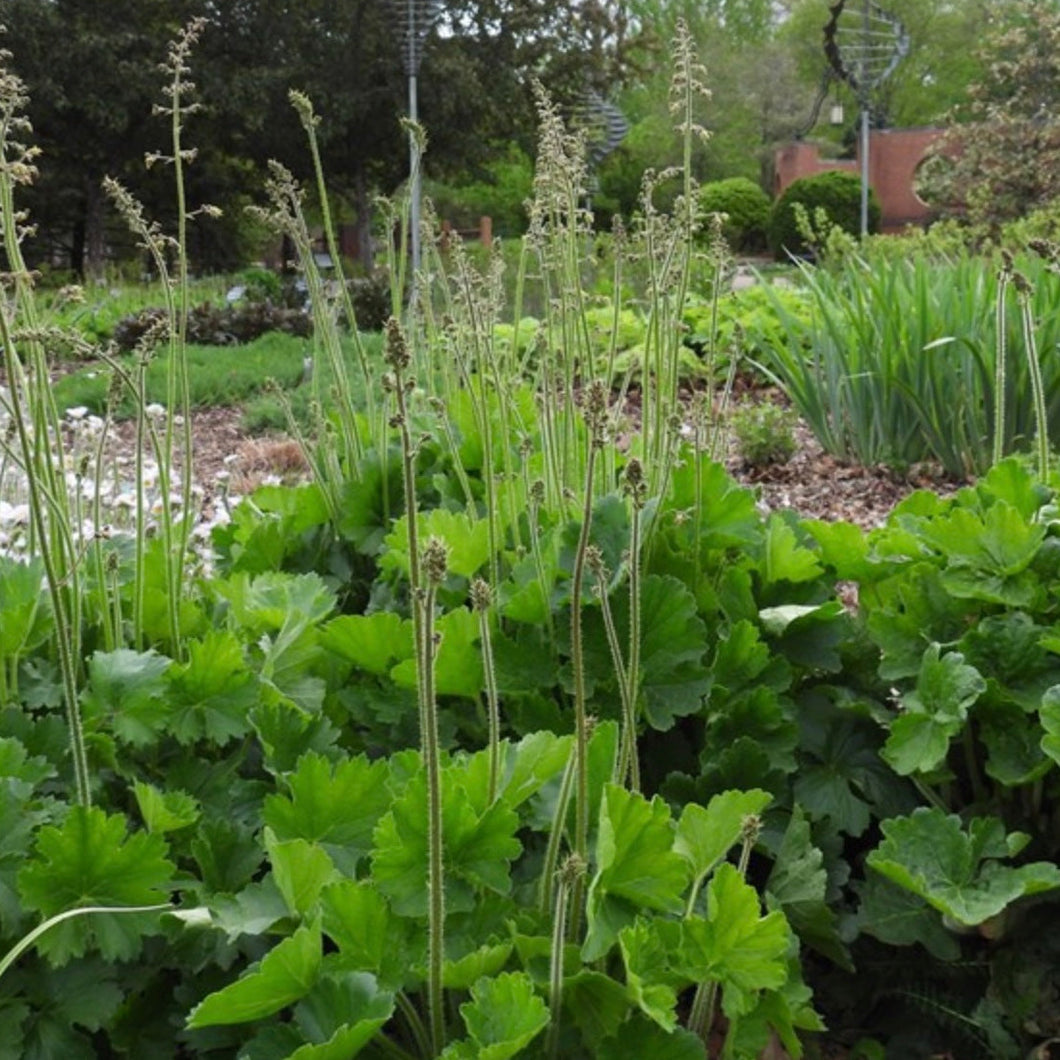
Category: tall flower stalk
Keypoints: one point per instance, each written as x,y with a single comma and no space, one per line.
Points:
426,574
435,562
36,420
482,603
595,419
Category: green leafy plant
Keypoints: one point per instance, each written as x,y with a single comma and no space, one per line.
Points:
900,362
764,433
836,192
746,208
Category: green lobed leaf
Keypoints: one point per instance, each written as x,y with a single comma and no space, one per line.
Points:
373,643
809,636
596,1003
301,871
636,867
705,836
64,1005
228,854
914,610
777,1015
335,804
1013,743
899,917
841,775
256,909
90,860
530,764
783,558
729,518
673,643
504,1015
845,549
287,733
458,662
640,1037
357,919
650,983
340,1015
798,885
284,975
466,539
211,695
478,848
487,960
935,712
276,602
987,558
742,659
735,945
957,872
25,612
165,811
1008,650
128,689
1049,713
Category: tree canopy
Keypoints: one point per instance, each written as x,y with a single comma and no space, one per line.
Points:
92,72
1001,155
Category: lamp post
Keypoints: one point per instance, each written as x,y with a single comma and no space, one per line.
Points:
863,45
414,18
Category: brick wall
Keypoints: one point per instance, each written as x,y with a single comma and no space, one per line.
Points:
894,155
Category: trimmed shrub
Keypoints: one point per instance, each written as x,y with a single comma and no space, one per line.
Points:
747,209
837,192
211,325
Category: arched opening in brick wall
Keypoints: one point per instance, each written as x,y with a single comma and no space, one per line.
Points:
894,157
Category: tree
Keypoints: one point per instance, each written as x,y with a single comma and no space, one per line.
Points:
92,73
925,84
757,99
1000,157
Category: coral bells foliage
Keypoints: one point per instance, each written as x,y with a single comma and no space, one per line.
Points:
1000,157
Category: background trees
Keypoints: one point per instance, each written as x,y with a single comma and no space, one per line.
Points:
92,71
1001,156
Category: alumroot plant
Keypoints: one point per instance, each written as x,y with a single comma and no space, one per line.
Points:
332,464
35,419
434,566
482,603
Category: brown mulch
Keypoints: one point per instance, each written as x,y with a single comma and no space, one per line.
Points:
818,486
812,483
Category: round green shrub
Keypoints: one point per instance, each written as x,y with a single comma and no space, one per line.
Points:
746,207
836,191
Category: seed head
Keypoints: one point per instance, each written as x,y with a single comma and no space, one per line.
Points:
435,560
594,560
481,595
396,348
750,828
633,484
573,867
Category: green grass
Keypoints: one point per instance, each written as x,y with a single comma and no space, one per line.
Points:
102,307
217,376
896,363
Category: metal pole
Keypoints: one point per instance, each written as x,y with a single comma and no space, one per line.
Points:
864,167
414,170
864,95
414,150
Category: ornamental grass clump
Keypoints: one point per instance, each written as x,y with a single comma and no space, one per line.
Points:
911,361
